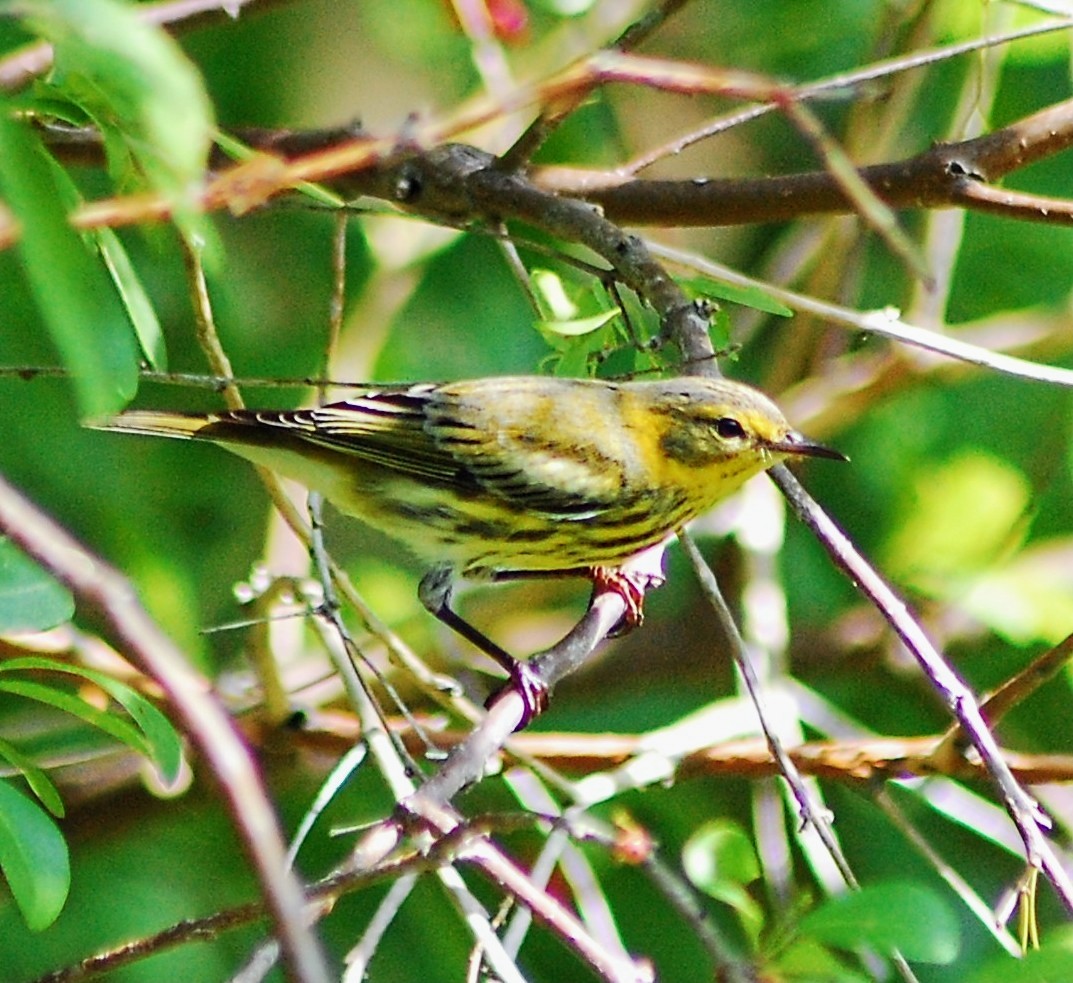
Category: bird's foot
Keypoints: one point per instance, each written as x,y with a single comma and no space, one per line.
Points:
630,581
531,689
613,580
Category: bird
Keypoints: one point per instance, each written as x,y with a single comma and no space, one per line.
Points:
513,476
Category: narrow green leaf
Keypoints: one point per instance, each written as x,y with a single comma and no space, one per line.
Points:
896,915
30,599
111,724
72,290
139,307
578,325
755,297
162,742
164,747
40,784
33,858
552,296
237,150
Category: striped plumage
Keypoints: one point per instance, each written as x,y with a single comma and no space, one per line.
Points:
512,474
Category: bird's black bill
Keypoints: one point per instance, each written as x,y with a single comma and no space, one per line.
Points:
800,446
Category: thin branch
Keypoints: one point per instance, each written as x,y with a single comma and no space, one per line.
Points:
807,810
550,117
835,85
357,163
454,181
886,323
1020,205
210,926
468,760
1015,690
959,700
939,177
105,590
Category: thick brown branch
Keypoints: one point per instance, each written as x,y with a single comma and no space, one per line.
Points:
947,175
865,759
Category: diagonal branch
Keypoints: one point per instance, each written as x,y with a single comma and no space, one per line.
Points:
208,725
1024,811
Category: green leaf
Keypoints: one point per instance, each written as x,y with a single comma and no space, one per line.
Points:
958,517
1029,599
755,297
72,290
718,852
40,784
719,330
1053,963
135,300
578,325
157,738
808,961
574,362
134,81
896,915
108,722
720,859
552,296
33,857
30,599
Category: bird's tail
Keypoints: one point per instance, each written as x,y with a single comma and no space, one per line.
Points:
160,423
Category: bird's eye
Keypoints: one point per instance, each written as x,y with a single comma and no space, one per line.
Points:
729,429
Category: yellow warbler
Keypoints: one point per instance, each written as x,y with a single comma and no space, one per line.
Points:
514,476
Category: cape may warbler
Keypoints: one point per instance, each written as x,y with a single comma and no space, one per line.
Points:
518,476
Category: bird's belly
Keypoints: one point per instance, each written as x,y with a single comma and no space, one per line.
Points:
479,534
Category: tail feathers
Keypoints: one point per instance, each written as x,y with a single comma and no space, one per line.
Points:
159,423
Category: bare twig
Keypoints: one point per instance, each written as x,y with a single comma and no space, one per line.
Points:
105,590
959,700
886,323
1012,692
843,83
806,807
867,759
551,116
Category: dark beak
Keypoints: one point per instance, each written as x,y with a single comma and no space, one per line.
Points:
800,446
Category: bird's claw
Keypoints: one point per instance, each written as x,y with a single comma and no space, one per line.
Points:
613,580
531,689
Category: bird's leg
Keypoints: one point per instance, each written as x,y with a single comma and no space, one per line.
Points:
604,580
434,592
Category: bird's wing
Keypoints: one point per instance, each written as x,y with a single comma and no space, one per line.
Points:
540,446
381,426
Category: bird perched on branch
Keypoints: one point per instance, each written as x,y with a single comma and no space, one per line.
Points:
514,476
